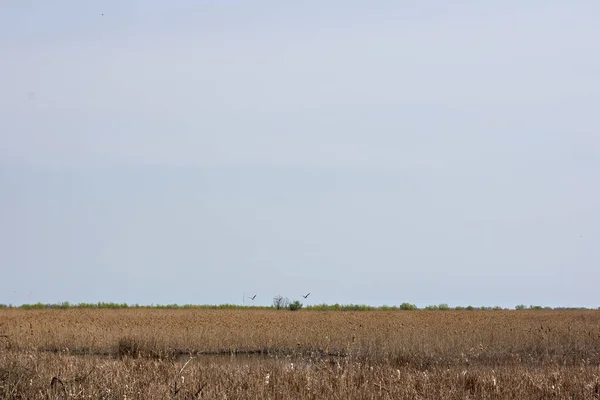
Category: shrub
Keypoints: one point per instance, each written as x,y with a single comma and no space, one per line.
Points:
295,305
443,307
520,307
64,305
408,307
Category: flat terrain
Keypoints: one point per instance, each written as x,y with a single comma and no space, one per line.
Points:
269,354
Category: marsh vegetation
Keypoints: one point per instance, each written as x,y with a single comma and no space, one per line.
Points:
269,354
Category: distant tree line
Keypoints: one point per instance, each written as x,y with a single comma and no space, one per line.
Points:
283,303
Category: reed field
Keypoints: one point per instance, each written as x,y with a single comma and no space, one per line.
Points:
279,354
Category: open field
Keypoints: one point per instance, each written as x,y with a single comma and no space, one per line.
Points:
269,354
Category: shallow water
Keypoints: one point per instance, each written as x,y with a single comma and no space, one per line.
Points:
226,359
250,360
231,359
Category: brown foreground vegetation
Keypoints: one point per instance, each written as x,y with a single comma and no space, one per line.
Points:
268,354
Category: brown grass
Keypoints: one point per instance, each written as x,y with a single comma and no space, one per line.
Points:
140,353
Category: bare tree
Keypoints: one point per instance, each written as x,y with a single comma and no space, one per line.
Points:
280,302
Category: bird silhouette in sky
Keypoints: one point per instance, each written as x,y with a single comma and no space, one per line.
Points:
306,295
252,298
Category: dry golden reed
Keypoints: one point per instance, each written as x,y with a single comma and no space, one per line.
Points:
269,354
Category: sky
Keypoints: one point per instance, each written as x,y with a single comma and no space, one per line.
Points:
376,153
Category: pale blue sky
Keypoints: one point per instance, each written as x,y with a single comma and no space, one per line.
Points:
367,152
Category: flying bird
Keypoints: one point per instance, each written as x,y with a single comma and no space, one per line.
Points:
306,295
252,298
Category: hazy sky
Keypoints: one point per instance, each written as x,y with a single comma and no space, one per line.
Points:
367,152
